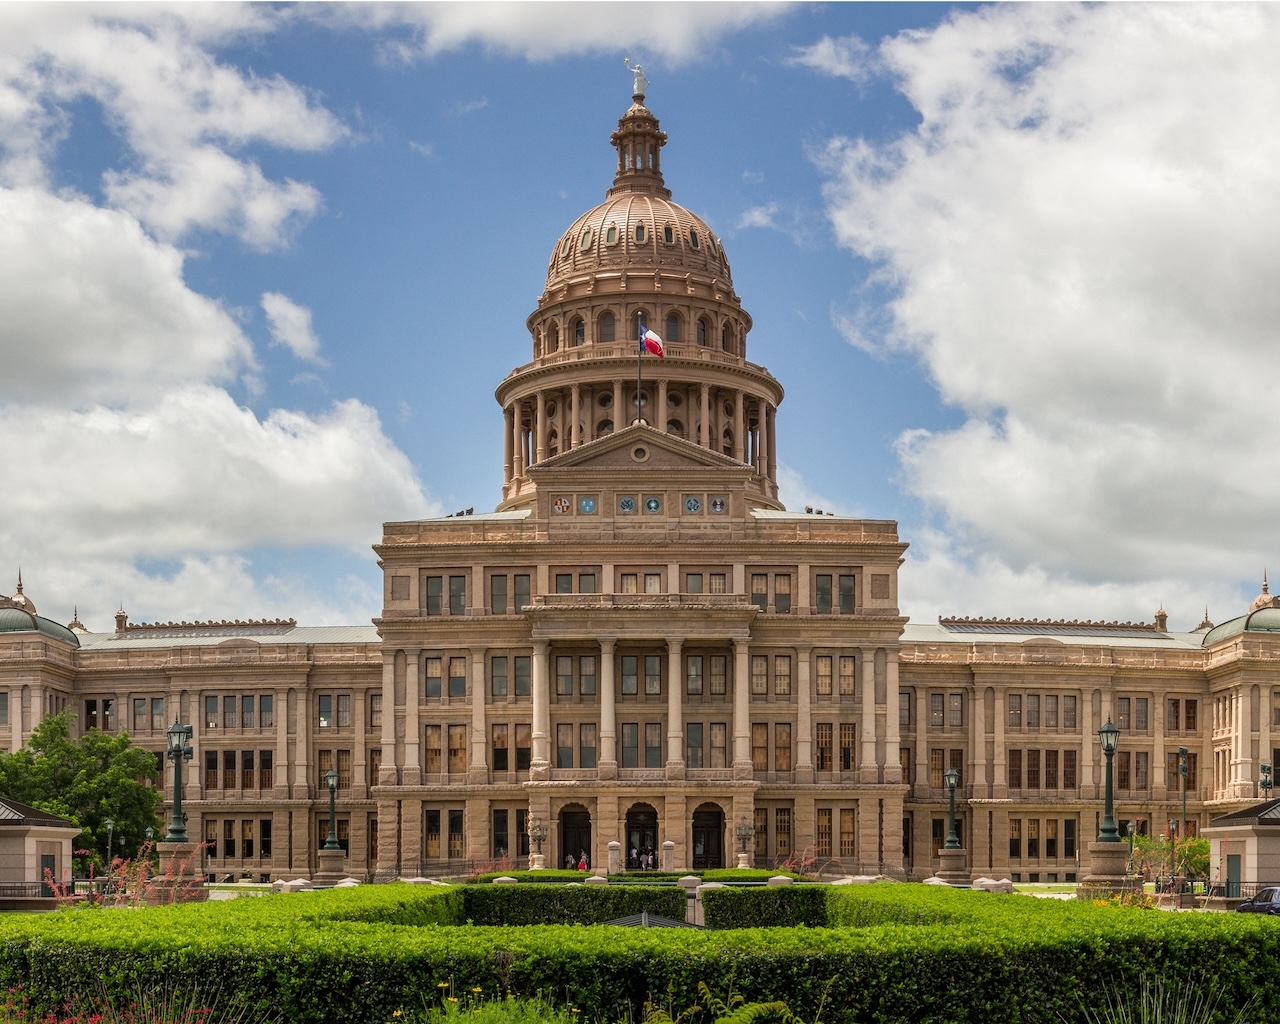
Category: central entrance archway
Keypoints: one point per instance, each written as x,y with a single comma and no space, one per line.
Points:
708,837
575,835
642,838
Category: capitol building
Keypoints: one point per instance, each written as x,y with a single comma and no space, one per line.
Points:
642,658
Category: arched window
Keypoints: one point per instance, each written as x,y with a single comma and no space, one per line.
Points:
675,427
604,427
607,327
611,235
668,235
673,329
702,331
726,341
553,442
579,332
693,238
553,339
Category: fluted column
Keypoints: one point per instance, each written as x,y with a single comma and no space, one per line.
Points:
540,426
867,768
412,772
575,415
741,710
608,716
541,761
478,770
508,447
739,428
675,709
706,415
804,717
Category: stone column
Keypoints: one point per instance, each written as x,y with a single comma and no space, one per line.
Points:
661,422
618,411
675,710
739,428
280,770
608,717
517,441
922,738
741,710
1158,778
575,414
804,718
411,774
302,787
387,774
540,426
508,447
705,438
359,786
867,760
999,764
478,769
764,443
892,727
772,449
540,767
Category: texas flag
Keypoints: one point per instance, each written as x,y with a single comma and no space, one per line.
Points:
651,343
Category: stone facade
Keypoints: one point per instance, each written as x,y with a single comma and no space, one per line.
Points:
641,646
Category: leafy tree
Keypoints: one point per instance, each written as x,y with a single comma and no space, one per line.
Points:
100,776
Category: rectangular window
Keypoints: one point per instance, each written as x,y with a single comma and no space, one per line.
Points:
457,837
653,583
498,595
630,744
693,674
1140,714
848,833
586,583
375,711
782,593
500,751
937,710
266,710
653,744
457,595
587,745
955,710
247,773
157,713
846,595
432,761
524,746
1122,714
1015,769
457,748
1051,837
564,675
429,594
760,591
324,762
824,675
457,677
211,712
717,583
375,765
719,744
1014,702
266,770
522,832
431,837
211,839
564,745
264,832
824,832
140,717
761,837
760,746
782,674
653,674
782,831
936,768
523,666
955,761
210,769
1033,711
228,769
848,753
324,710
229,838
1033,769
848,676
229,713
719,674
500,843
1033,839
904,709
782,747
1173,715
759,673
630,583
904,762
246,712
1123,780
823,743
693,583
1069,712
1051,712
822,596
344,769
1141,764
564,583
693,745
1050,769
433,673
630,674
587,674
1068,838
522,591
1015,838
1189,717
344,711
1069,769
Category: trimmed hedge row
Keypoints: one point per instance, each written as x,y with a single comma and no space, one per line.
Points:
974,957
638,877
783,907
566,904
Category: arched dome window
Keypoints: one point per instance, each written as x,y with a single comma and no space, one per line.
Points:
675,427
579,332
673,328
553,339
702,331
586,240
640,233
608,327
553,443
693,237
726,339
727,442
604,427
668,235
611,235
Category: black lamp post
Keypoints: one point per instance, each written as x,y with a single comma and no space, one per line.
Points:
537,832
1264,783
331,780
952,778
111,831
1109,737
743,832
178,752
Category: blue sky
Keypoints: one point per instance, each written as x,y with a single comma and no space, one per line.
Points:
261,269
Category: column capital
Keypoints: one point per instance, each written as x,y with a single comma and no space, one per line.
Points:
607,644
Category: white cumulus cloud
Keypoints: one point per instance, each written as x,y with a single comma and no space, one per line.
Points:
291,326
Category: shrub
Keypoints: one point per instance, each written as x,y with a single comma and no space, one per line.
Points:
565,904
782,907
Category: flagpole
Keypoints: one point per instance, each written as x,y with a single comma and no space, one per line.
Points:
639,353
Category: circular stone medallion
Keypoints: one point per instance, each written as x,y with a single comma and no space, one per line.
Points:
692,505
561,505
586,506
718,505
627,505
653,504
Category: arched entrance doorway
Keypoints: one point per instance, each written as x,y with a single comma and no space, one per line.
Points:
575,835
642,838
708,837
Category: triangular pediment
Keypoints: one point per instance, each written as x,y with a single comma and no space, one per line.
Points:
639,446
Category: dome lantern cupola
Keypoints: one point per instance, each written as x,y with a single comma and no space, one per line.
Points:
639,144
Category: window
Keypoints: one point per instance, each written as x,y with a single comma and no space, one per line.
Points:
500,752
247,773
1173,715
936,710
564,583
848,676
702,332
782,593
1068,838
587,674
846,595
500,818
344,711
266,772
228,769
693,583
429,594
782,674
1123,779
673,328
761,837
211,839
848,834
433,670
457,838
457,748
1015,769
587,745
693,745
760,746
579,332
586,583
669,237
607,323
1123,719
1189,716
1033,769
564,745
822,602
782,747
140,719
246,712
1014,702
498,676
1033,838
955,710
229,838
630,745
630,674
760,591
229,716
524,746
457,595
1050,769
1069,712
848,755
1140,714
375,765
431,761
719,744
782,831
457,677
717,583
824,675
344,769
210,769
652,674
157,713
498,595
955,761
904,709
564,675
1141,764
1051,712
693,674
523,667
630,583
823,744
522,591
719,674
266,710
653,583
1033,711
759,674
1069,769
824,832
324,710
936,779
653,744
904,762
431,841
1051,837
1015,838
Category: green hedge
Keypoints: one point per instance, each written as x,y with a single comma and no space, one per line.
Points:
566,904
782,907
637,877
970,957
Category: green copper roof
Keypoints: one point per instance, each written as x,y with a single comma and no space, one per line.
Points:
1264,620
15,620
